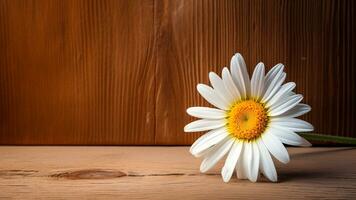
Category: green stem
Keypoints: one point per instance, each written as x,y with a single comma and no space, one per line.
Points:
328,138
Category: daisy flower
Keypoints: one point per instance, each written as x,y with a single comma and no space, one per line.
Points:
251,121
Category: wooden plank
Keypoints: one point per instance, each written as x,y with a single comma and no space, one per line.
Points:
314,39
123,72
165,173
76,72
194,37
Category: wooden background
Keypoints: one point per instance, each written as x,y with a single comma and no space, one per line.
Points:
123,72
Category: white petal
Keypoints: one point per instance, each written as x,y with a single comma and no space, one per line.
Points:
206,113
266,162
239,74
247,161
241,172
272,73
275,147
204,151
219,87
255,162
257,81
231,160
274,85
212,97
230,85
208,140
297,111
215,155
203,138
296,125
282,92
204,125
289,137
286,105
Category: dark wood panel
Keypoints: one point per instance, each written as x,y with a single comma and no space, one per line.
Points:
314,39
123,72
76,72
194,37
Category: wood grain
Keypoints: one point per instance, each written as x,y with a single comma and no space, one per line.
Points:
76,72
164,173
124,72
194,37
313,39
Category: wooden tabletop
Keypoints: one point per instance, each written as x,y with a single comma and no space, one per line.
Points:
41,172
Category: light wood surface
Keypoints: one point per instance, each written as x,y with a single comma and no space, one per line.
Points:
165,173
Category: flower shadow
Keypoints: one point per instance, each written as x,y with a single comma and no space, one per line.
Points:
321,152
318,165
302,175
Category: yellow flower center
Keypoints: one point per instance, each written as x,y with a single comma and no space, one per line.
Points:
247,120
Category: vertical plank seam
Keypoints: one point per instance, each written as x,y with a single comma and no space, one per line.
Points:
155,38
